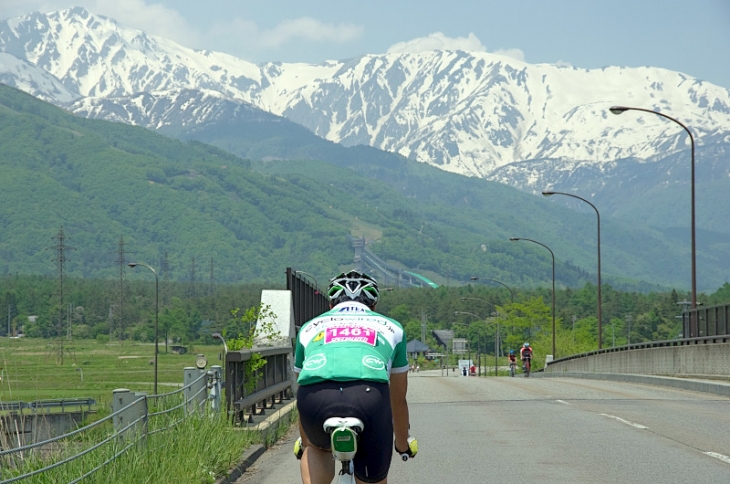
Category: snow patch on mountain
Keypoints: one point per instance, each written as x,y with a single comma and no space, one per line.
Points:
472,113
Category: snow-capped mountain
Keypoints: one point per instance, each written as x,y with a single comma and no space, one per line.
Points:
477,114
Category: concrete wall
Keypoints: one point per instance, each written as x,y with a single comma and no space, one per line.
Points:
692,361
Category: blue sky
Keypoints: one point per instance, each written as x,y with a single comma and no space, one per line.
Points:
688,36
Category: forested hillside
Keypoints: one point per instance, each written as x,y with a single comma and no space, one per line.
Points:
216,216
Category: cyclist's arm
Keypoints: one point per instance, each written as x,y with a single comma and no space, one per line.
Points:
399,405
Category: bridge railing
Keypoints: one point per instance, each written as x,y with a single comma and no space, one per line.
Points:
647,344
251,393
706,321
58,403
308,300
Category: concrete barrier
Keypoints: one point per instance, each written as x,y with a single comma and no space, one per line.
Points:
705,361
705,386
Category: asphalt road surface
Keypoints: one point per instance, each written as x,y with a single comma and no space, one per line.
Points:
547,430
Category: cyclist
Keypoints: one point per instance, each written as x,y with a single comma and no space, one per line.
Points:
512,358
352,362
525,353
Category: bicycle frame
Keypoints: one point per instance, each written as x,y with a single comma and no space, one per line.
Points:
527,361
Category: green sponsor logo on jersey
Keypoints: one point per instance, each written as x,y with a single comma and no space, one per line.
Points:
315,362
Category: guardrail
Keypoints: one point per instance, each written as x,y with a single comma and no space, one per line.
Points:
102,442
700,358
273,382
706,321
34,406
307,299
648,344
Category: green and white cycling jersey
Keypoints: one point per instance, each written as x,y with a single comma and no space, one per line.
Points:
350,342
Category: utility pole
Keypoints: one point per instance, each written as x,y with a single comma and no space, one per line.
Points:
210,278
122,263
628,320
191,290
423,326
574,318
166,276
61,248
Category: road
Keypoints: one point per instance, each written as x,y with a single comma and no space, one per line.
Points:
548,430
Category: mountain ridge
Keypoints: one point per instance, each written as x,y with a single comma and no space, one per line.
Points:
466,112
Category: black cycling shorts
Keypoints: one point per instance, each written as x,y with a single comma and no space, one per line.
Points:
368,401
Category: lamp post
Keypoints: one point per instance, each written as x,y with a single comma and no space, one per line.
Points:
598,216
225,348
511,292
496,339
514,239
157,312
622,109
316,284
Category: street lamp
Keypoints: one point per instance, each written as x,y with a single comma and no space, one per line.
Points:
496,339
621,109
316,284
225,347
511,292
598,216
157,312
514,239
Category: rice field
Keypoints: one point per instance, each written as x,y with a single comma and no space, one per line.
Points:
37,369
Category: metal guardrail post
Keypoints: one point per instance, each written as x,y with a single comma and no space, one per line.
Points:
123,400
215,373
195,393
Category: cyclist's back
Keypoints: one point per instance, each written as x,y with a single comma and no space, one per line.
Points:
348,343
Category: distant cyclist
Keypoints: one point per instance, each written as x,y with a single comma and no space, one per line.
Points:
512,362
352,362
526,354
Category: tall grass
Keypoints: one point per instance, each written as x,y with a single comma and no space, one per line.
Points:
196,448
199,449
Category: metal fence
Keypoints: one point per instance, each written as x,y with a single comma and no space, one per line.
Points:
55,403
308,299
251,393
130,423
706,321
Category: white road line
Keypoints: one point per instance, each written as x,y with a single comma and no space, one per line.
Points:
635,425
723,458
564,403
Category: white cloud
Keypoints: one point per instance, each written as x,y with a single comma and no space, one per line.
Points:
310,29
438,41
155,18
152,18
246,39
513,53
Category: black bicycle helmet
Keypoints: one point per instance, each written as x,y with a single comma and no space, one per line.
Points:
354,286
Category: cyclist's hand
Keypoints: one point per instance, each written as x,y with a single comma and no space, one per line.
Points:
298,448
411,451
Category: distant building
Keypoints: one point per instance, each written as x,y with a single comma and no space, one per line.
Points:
415,348
443,338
